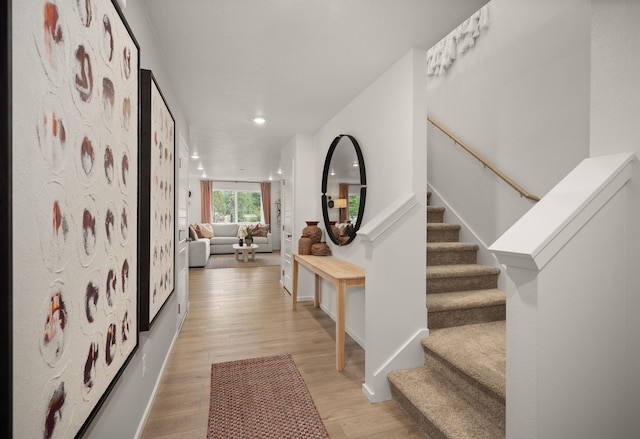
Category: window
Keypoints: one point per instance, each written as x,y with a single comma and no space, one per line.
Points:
231,206
354,206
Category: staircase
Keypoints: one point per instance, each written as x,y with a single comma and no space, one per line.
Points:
460,390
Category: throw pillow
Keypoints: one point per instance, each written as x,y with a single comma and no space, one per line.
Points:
192,232
207,230
198,231
261,230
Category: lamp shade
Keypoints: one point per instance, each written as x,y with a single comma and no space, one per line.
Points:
340,203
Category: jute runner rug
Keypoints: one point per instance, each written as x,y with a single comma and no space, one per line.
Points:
262,398
230,261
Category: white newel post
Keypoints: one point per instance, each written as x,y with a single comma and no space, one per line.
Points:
565,262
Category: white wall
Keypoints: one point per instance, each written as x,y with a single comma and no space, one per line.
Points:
126,405
615,127
520,97
388,119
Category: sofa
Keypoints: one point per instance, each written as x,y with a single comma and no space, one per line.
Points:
218,238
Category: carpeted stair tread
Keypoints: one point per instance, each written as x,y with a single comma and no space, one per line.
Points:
465,299
448,253
461,277
448,246
442,232
475,351
434,405
442,226
460,270
449,309
435,214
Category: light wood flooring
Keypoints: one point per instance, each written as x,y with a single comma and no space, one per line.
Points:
237,313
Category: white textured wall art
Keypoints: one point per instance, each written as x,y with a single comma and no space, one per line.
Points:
441,56
75,197
157,189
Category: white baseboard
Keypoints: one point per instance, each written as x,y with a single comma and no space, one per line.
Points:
155,388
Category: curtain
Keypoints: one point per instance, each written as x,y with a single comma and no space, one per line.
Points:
343,192
206,194
265,189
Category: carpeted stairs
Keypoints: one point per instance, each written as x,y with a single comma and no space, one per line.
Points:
460,390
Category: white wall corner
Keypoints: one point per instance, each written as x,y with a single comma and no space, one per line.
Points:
410,354
374,228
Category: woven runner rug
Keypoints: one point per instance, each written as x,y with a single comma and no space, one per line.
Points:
230,261
262,398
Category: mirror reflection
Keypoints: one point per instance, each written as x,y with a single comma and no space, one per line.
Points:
343,189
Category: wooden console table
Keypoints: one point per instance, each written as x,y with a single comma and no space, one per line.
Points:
342,274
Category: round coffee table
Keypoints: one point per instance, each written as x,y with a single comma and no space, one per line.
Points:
245,250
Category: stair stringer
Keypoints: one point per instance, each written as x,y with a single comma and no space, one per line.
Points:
467,235
411,352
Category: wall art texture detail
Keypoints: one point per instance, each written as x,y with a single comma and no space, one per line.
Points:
444,53
75,165
157,143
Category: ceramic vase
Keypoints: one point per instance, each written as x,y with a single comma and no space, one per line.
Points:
304,246
312,231
334,229
320,249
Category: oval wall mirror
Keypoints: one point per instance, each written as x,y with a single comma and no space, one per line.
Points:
344,189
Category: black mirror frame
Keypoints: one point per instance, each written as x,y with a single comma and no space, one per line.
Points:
363,189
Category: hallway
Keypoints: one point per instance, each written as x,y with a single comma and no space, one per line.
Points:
244,313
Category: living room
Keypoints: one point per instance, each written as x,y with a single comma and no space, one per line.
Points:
224,216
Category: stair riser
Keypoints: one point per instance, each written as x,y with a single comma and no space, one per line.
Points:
419,420
461,283
470,316
452,257
435,216
485,401
447,235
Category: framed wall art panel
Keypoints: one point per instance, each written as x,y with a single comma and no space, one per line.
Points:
74,166
157,200
6,237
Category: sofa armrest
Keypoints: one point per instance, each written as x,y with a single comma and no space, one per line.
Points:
199,252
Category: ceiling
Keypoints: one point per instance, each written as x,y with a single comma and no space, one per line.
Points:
294,62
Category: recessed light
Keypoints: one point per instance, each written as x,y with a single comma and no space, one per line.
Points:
259,120
200,167
195,156
204,174
270,177
355,164
279,170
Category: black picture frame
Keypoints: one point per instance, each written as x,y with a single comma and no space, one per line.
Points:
6,260
157,203
95,332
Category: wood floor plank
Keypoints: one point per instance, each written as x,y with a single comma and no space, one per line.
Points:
238,313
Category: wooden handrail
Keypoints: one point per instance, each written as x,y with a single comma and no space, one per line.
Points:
485,162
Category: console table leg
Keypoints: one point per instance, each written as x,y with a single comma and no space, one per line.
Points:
340,322
316,291
294,293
